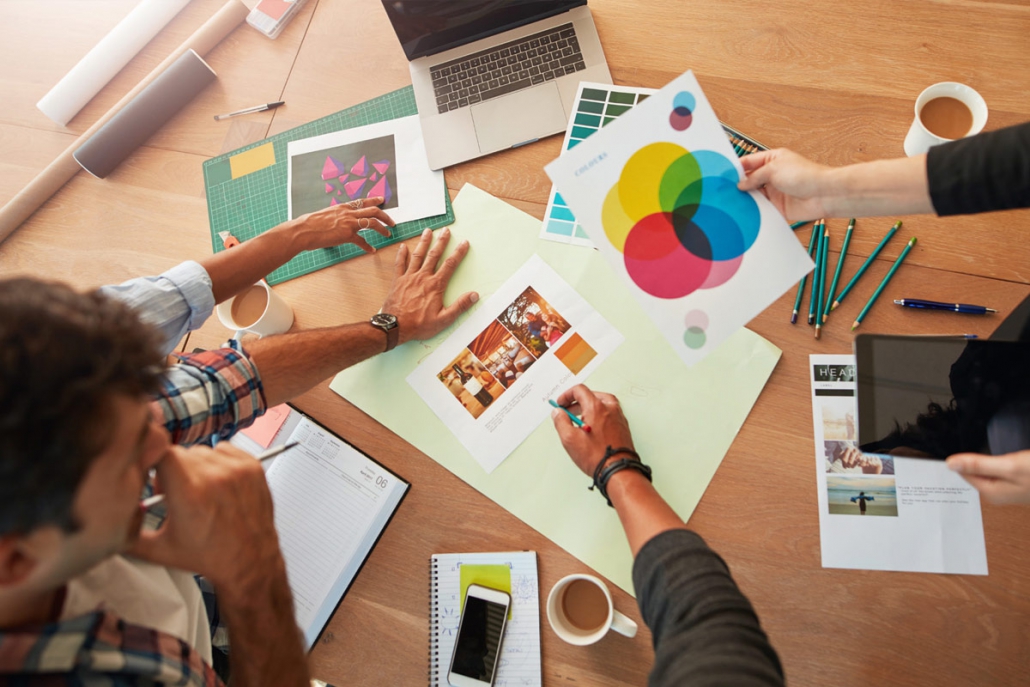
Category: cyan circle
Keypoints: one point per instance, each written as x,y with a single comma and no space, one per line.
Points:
724,236
684,99
720,192
715,165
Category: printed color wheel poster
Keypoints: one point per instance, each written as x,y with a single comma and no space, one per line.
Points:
656,190
491,380
386,160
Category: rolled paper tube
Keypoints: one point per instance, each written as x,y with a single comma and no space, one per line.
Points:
99,66
58,172
148,112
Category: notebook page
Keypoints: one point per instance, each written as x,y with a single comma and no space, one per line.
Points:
331,504
519,665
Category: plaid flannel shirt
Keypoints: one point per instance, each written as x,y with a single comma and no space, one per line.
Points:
99,650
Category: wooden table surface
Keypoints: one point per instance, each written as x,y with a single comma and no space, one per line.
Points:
834,81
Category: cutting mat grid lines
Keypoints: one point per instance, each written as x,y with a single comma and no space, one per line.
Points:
250,205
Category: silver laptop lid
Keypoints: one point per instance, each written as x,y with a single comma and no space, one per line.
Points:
426,27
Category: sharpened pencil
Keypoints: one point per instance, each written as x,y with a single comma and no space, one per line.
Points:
818,229
840,264
822,283
883,284
801,284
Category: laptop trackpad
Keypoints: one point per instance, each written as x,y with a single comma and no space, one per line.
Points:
533,113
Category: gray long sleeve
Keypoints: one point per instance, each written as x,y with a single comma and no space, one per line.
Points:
705,631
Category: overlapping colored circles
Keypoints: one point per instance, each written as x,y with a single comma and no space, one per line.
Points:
682,111
680,222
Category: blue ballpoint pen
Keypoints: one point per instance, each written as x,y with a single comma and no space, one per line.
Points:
952,307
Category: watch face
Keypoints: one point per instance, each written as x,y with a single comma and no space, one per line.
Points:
384,320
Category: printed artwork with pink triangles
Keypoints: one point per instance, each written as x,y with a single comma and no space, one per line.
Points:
343,173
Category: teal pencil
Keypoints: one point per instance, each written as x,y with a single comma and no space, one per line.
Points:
798,225
879,289
840,264
818,229
819,307
575,420
801,284
865,265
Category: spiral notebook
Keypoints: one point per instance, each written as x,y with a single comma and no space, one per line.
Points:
520,650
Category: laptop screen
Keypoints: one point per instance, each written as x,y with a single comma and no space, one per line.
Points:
425,27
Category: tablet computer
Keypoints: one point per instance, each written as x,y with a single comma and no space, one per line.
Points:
931,397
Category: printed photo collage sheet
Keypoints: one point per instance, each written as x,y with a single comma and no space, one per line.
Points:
490,381
881,512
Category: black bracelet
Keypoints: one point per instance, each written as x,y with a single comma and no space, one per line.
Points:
603,473
608,453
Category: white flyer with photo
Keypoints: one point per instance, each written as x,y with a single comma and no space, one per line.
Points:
882,512
491,380
387,159
656,190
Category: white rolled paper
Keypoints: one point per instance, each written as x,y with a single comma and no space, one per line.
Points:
107,58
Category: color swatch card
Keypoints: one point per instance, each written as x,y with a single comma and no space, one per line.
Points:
656,190
387,159
489,381
596,105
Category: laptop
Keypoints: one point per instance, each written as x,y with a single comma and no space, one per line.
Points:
495,74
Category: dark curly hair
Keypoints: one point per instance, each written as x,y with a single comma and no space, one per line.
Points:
63,355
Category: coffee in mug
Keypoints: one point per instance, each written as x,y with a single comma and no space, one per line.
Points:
585,605
581,611
946,117
249,306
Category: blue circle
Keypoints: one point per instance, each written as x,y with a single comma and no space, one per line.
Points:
684,99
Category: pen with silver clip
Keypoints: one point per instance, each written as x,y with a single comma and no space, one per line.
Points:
148,503
952,307
250,110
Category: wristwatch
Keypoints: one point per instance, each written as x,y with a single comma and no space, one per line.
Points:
387,323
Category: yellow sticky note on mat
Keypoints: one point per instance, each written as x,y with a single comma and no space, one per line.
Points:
493,576
252,160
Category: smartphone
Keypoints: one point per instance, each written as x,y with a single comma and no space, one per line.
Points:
480,633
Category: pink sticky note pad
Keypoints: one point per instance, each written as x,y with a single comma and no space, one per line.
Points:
266,426
274,8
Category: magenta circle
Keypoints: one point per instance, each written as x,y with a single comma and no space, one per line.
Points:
680,122
674,275
696,318
722,271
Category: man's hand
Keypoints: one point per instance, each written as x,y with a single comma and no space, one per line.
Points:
340,224
219,521
608,426
1000,479
788,180
416,296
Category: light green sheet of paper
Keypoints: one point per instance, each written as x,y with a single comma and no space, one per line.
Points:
492,576
683,419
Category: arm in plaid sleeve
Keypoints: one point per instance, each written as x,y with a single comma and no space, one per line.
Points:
210,394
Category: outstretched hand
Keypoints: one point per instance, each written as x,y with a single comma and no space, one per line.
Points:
416,295
788,180
340,224
1000,479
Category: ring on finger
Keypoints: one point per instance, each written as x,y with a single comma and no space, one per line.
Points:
367,222
357,204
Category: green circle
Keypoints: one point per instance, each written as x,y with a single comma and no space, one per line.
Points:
694,337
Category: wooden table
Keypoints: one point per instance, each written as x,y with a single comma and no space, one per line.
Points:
834,81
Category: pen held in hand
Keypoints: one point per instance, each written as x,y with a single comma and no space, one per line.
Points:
150,502
575,420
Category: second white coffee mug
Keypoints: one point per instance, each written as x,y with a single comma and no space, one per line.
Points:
920,139
275,317
569,631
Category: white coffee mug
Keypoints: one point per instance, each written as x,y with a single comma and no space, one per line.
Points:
574,635
920,139
276,318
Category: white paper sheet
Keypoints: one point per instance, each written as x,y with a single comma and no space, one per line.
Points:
107,58
490,381
919,516
656,191
393,149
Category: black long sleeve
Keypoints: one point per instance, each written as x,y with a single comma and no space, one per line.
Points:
989,171
705,631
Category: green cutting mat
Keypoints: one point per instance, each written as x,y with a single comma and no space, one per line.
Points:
254,203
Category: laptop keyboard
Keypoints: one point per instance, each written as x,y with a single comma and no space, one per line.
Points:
507,68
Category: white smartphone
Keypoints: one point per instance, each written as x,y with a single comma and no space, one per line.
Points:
480,633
